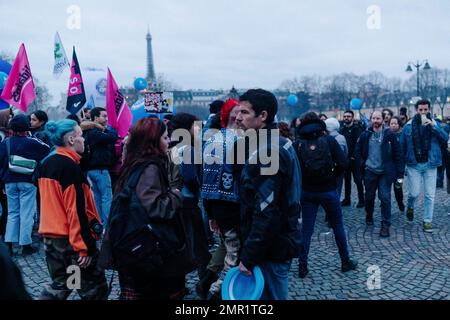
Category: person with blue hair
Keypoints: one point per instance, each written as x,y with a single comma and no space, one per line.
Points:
69,219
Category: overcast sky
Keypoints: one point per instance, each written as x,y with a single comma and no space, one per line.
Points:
215,44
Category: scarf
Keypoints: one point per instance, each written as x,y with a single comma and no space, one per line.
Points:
421,136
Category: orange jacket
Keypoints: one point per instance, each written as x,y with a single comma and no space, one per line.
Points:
67,204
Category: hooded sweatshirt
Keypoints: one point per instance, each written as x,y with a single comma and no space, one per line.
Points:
333,127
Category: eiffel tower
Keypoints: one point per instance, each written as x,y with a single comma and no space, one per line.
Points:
150,68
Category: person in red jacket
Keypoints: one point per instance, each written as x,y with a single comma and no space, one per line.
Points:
69,219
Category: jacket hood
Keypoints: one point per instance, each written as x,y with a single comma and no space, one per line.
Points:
311,129
333,125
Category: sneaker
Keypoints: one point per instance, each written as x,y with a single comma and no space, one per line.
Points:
348,265
384,232
202,287
410,214
302,270
427,227
360,204
345,203
29,249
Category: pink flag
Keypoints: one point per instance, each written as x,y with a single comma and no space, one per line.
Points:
19,88
119,114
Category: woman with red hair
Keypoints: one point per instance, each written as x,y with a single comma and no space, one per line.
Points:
220,195
146,149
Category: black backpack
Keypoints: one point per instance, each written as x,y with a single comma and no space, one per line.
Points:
141,246
316,158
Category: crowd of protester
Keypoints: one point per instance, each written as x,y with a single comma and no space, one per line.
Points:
146,206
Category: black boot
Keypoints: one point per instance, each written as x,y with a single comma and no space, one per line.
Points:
302,270
360,203
202,287
10,248
369,219
28,249
348,265
384,232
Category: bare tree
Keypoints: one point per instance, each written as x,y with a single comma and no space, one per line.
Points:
163,84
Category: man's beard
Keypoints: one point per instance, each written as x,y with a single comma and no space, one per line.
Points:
377,125
346,121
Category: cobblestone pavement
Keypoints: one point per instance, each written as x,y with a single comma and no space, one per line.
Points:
411,264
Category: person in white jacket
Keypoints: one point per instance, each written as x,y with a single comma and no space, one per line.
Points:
333,130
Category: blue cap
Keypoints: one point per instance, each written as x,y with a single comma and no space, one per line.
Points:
237,286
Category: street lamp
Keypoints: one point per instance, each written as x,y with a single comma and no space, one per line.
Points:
426,66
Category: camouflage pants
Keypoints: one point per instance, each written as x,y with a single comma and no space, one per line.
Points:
63,269
218,256
232,245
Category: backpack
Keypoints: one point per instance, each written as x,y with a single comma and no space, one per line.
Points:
140,245
316,158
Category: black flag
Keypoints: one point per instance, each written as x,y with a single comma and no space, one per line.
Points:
76,97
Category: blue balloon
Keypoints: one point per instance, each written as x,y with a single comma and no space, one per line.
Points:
3,78
140,84
5,68
356,104
292,100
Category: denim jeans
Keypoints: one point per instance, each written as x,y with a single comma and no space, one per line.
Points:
101,186
310,202
417,173
275,280
340,183
21,208
382,183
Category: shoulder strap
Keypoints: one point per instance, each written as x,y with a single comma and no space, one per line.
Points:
133,179
137,172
